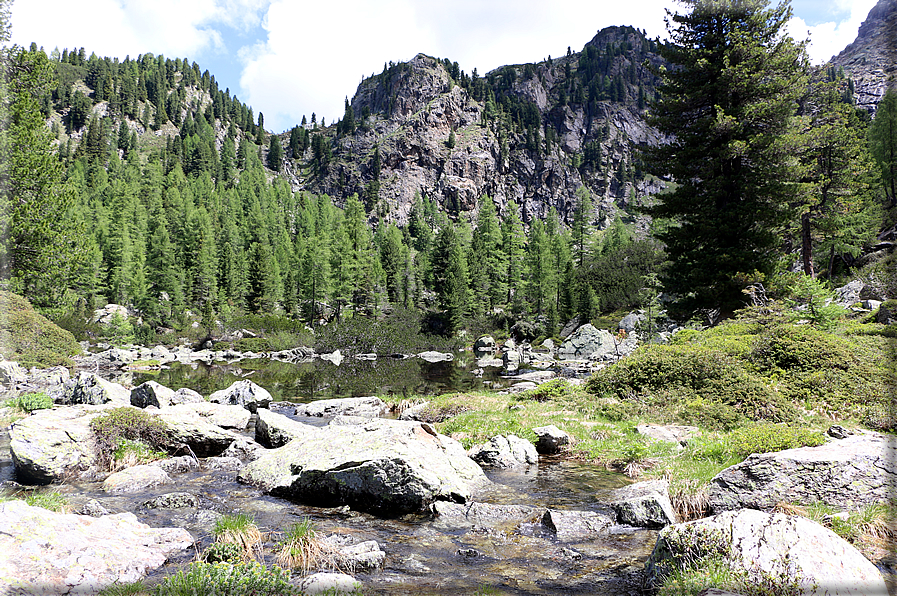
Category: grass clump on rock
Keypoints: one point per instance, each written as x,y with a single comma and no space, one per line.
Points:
241,530
31,339
301,548
116,431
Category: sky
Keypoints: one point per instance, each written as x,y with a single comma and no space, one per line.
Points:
289,58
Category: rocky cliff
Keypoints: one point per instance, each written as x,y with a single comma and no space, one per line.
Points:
871,60
528,135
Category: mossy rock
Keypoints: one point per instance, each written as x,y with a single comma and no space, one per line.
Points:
31,339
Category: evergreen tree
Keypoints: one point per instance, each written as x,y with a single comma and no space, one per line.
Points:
512,246
539,271
727,103
450,276
582,225
275,154
485,262
883,142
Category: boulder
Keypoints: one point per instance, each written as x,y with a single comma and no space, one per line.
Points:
335,584
91,389
576,525
551,439
151,393
777,547
187,427
586,342
505,452
671,433
52,444
173,501
644,504
370,407
630,323
363,556
186,396
482,515
484,345
847,473
11,374
104,315
335,358
436,356
64,553
233,417
381,466
886,313
177,465
276,430
136,478
243,393
571,326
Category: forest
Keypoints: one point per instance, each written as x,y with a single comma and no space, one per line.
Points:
140,182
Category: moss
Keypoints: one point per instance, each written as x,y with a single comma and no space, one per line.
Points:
30,338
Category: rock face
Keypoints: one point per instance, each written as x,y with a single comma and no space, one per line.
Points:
848,473
92,389
243,393
871,60
382,466
783,547
505,452
56,553
276,430
589,343
644,504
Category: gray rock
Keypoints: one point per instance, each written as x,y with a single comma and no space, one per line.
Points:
848,473
136,478
335,358
484,345
348,406
186,396
104,315
551,439
65,553
511,359
11,374
576,525
93,508
670,433
187,427
644,504
490,362
586,342
225,416
368,357
151,393
177,465
571,326
630,323
778,546
382,466
328,583
52,444
91,389
886,314
243,393
364,556
436,356
505,452
276,430
173,501
468,515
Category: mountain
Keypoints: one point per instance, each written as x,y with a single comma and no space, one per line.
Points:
526,134
871,60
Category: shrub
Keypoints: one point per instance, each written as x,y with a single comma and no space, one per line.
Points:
120,424
225,579
29,338
813,303
801,348
28,402
553,390
241,530
301,548
766,438
253,344
223,552
119,330
137,588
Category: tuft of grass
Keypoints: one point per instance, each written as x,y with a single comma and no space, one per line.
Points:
52,501
239,529
131,453
301,548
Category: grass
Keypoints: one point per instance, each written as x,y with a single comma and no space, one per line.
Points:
301,548
241,530
52,501
113,430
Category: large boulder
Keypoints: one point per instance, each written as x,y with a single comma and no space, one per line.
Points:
777,547
91,389
151,393
53,444
644,504
186,426
589,343
382,466
551,439
346,406
243,393
483,515
63,553
484,346
505,452
135,478
11,374
276,430
848,473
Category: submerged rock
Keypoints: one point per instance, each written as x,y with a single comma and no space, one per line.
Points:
382,466
576,525
467,515
778,547
64,553
505,452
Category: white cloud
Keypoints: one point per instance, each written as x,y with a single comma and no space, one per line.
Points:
828,39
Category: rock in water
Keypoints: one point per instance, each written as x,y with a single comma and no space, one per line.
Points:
64,553
644,504
779,547
386,467
505,452
243,393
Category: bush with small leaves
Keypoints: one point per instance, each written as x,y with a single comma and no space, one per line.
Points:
29,402
225,579
126,423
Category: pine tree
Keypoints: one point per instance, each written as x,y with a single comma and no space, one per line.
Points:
450,276
883,142
512,246
582,225
275,154
727,103
485,262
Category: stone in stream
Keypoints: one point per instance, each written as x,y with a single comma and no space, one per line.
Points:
849,473
328,583
370,407
188,427
781,548
186,396
387,467
243,393
484,515
276,430
576,525
173,501
551,439
151,393
644,504
136,478
505,452
64,553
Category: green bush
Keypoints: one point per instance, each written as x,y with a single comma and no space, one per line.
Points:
29,402
253,344
225,579
113,427
31,339
801,348
553,390
766,438
223,552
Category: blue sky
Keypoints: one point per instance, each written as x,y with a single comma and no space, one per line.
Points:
289,58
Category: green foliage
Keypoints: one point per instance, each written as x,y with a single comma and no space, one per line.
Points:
766,438
119,330
813,302
883,142
253,344
241,530
52,501
554,390
400,332
223,552
137,588
800,348
132,424
301,548
29,402
29,338
129,453
224,579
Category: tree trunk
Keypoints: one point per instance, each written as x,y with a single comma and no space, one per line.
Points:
806,245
